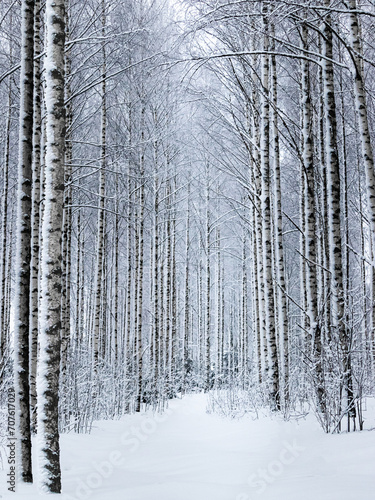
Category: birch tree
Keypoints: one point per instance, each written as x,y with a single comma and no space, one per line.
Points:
23,251
333,169
100,237
266,214
51,258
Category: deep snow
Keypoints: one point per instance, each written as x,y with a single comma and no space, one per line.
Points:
187,454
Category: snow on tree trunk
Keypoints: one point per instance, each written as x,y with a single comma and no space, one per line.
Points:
313,327
67,224
140,264
35,221
364,131
4,233
157,286
334,191
116,323
256,183
266,213
100,236
186,339
208,281
174,331
23,250
279,246
51,257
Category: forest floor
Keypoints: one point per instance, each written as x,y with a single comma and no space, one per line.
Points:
189,454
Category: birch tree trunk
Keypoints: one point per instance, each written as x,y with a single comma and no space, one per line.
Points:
218,308
279,246
100,237
244,312
175,330
140,265
333,169
128,361
4,232
157,284
35,220
364,132
201,344
67,219
79,286
208,283
266,213
186,350
116,333
313,328
326,283
51,286
23,250
256,182
168,308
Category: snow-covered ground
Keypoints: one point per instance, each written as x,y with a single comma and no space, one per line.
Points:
187,454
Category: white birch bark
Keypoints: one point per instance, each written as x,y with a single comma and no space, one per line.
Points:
23,250
310,209
266,214
208,283
116,322
175,329
364,131
325,288
140,265
4,232
67,222
51,258
157,285
100,236
35,220
186,341
256,182
333,170
279,246
313,327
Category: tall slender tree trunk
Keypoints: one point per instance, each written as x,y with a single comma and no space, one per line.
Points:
333,169
256,183
116,323
35,220
364,132
51,259
175,329
201,338
326,283
279,246
67,223
129,352
266,213
313,328
157,285
208,283
140,265
4,232
79,302
186,350
218,309
23,250
100,237
244,315
168,308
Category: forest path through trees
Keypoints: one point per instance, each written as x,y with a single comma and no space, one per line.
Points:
186,453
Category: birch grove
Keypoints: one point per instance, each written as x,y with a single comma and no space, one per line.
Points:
187,204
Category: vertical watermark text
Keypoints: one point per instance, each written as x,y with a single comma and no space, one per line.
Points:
11,441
